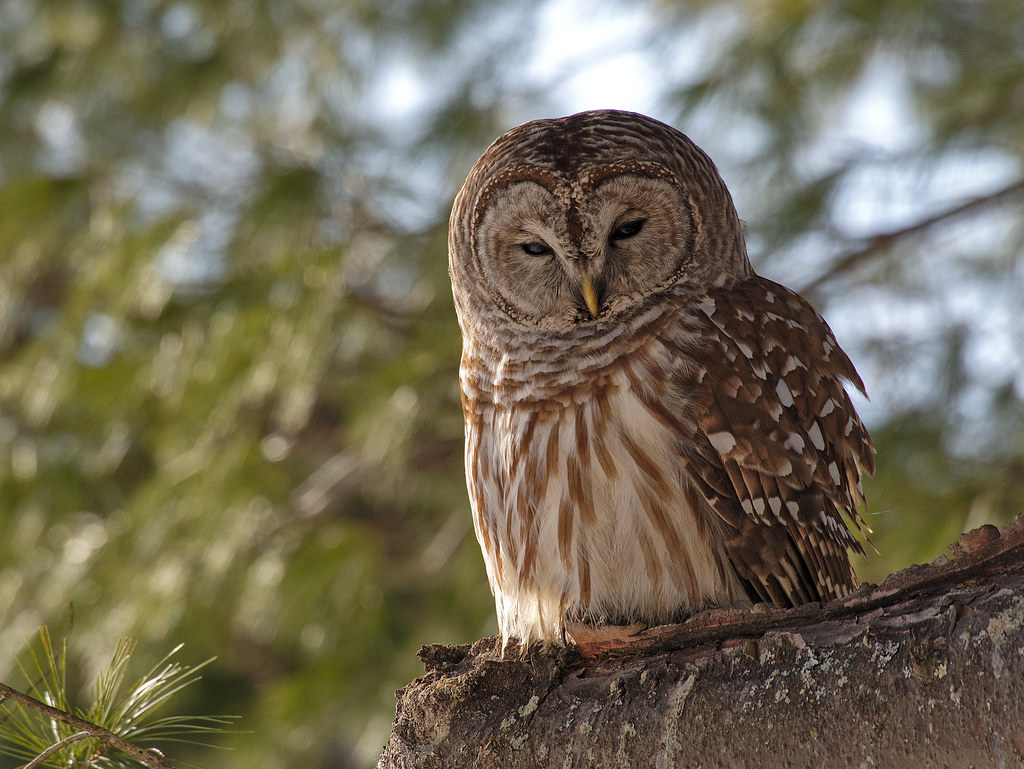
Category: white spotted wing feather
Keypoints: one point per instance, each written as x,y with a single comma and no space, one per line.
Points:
783,444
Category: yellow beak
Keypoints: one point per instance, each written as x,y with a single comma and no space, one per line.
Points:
590,295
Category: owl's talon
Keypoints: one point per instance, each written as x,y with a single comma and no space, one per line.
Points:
595,640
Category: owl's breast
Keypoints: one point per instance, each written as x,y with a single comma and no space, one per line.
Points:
583,507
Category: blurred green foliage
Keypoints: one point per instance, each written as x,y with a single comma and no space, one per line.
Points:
229,411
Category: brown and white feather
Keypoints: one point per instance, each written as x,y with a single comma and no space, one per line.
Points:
690,444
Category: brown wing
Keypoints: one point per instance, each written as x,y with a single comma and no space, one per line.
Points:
780,445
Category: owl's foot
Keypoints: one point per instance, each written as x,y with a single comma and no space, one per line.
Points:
595,640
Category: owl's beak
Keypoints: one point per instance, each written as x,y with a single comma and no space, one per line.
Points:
590,295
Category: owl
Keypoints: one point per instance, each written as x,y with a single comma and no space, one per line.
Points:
651,427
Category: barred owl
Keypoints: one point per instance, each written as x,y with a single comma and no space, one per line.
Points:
651,427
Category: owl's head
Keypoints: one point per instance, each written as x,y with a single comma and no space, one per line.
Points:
581,219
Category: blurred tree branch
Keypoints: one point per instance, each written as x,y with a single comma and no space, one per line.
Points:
878,244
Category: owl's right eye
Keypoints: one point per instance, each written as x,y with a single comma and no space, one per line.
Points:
627,230
535,249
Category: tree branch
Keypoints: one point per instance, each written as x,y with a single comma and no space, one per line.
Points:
922,670
878,244
147,756
38,760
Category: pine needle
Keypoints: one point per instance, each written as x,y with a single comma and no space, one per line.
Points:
119,711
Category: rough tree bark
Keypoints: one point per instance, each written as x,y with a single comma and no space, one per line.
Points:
925,670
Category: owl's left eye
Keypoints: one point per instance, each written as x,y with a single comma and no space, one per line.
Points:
627,230
535,249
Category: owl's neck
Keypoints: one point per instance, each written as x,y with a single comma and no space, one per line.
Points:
535,364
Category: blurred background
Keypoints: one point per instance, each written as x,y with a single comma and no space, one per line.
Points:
229,411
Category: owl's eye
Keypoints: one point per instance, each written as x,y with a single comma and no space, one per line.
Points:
627,230
535,249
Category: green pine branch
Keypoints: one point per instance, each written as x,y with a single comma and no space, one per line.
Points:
48,731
